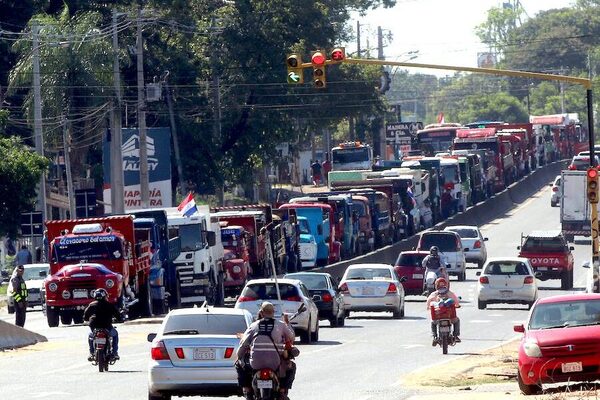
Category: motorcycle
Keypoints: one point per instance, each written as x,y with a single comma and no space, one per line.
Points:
102,343
265,382
430,278
442,315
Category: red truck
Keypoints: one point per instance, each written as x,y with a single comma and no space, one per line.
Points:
236,261
549,255
92,253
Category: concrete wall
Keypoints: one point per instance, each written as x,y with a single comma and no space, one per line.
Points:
12,336
480,214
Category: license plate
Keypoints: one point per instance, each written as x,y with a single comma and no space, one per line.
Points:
100,341
204,354
571,367
542,268
262,384
368,291
444,329
80,293
506,293
417,276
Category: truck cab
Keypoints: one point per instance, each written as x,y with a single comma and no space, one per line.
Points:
236,260
550,256
349,156
308,244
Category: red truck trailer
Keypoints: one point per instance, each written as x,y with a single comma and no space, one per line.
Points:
87,254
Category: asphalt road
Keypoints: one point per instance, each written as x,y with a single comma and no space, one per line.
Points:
364,360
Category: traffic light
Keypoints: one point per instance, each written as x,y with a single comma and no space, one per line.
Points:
318,60
592,185
295,75
338,54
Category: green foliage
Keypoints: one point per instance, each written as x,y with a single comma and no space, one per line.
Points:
499,106
20,172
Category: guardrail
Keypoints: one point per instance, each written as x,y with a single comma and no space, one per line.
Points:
479,214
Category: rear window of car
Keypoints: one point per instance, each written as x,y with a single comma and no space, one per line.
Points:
205,324
369,273
312,282
565,314
410,260
465,232
506,268
267,291
444,242
550,244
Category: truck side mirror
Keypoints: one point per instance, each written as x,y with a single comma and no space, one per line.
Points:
211,238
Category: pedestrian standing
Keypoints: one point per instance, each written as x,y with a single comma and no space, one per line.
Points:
23,256
19,295
326,167
316,172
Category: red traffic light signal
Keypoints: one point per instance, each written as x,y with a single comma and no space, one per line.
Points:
592,185
318,58
592,173
338,54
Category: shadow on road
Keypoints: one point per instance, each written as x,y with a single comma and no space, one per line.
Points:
326,343
125,372
413,318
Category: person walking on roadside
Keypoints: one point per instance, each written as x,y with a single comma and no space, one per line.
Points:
23,256
326,167
19,294
316,172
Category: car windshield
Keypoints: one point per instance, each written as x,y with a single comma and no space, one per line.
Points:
465,233
204,324
410,260
565,314
368,273
311,281
444,242
506,268
546,244
35,273
267,291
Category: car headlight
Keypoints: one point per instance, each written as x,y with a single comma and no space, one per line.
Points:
532,349
110,283
66,295
53,287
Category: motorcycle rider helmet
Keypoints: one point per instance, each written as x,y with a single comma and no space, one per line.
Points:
434,250
100,294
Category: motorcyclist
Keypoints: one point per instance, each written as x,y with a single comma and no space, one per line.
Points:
436,263
265,342
100,314
442,293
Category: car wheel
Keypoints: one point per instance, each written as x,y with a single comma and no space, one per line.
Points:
481,304
314,336
480,264
528,390
342,320
334,321
159,396
346,314
398,313
305,336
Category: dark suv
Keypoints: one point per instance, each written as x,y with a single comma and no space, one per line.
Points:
550,255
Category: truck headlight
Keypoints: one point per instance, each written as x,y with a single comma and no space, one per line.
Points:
53,287
66,295
237,269
532,349
110,283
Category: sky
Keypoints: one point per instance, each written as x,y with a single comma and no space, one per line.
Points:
443,31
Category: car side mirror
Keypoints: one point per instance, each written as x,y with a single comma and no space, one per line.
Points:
519,328
485,239
302,308
518,247
478,273
572,248
550,184
151,337
586,264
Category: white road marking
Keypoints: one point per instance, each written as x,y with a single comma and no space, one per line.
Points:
480,321
411,346
41,395
331,347
496,315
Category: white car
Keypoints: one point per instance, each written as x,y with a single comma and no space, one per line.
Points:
372,287
34,275
507,280
450,248
473,241
556,192
293,293
194,352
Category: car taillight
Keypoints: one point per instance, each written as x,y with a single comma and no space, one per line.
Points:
159,351
528,280
179,352
265,374
392,288
572,167
477,244
555,189
344,288
327,298
228,352
484,279
241,299
292,298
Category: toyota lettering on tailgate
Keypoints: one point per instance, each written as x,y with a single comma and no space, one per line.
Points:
545,260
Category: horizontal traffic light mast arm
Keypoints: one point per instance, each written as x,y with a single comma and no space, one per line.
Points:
587,83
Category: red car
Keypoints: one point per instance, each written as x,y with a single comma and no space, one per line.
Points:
408,265
560,342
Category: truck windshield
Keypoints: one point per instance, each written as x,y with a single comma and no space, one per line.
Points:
449,173
493,146
303,225
191,237
352,155
77,248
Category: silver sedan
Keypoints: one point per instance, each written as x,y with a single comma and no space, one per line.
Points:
506,280
372,287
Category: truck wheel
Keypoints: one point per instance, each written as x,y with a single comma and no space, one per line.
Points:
52,317
78,317
566,281
220,292
175,298
66,317
146,300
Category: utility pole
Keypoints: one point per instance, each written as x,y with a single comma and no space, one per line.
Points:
67,150
116,155
182,181
37,117
216,87
144,181
357,39
380,145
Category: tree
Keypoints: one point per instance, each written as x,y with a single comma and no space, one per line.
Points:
493,107
20,172
500,23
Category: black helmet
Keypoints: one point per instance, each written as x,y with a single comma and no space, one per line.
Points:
434,250
100,294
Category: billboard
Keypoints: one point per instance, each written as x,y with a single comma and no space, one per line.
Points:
486,60
159,168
